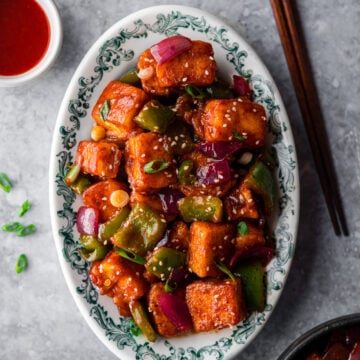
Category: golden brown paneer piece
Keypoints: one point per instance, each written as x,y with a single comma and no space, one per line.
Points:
179,236
210,242
195,66
116,108
240,203
120,279
162,324
215,304
98,196
254,236
141,150
224,118
100,158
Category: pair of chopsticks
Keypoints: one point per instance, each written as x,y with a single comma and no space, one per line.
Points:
288,25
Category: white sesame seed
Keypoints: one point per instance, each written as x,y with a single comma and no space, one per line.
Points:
155,147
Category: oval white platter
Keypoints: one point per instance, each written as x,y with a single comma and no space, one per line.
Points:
115,52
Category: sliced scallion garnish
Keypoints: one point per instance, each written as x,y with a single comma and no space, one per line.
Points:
12,226
26,230
155,166
242,228
238,136
130,255
224,269
195,92
5,183
24,208
21,263
104,110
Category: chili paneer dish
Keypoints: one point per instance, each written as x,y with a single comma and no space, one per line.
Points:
177,188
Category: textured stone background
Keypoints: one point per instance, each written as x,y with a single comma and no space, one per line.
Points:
39,319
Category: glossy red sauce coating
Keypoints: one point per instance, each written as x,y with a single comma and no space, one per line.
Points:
24,35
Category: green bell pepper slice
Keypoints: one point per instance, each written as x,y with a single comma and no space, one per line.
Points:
260,180
109,228
141,319
81,183
201,208
163,260
92,248
252,276
141,231
179,138
185,172
131,78
155,117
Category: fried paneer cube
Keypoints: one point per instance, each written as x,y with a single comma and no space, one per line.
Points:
215,304
240,203
120,279
254,236
116,108
98,196
162,323
210,242
179,236
98,158
195,66
224,119
143,149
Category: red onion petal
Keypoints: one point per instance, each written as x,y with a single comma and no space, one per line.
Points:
176,310
213,173
169,198
169,48
241,86
87,220
219,149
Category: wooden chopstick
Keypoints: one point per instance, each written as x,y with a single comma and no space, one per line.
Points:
300,70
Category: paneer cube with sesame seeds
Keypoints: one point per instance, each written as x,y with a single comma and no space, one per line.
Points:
253,236
98,158
195,66
229,119
149,165
215,303
116,108
162,323
120,279
210,242
240,203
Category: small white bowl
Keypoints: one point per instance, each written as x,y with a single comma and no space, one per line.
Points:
55,43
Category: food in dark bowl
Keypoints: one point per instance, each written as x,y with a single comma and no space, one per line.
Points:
336,339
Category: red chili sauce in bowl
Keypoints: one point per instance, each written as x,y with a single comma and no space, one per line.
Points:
24,36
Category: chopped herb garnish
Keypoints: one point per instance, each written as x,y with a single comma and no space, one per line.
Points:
155,166
104,110
134,329
24,208
12,226
195,92
130,255
72,174
238,136
26,230
21,263
5,183
242,228
224,269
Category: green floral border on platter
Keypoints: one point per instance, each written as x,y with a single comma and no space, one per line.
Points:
112,54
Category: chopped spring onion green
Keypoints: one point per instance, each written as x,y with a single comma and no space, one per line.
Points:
21,263
5,183
134,329
225,270
130,255
155,166
238,136
104,110
72,174
242,228
26,230
13,226
24,208
195,92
